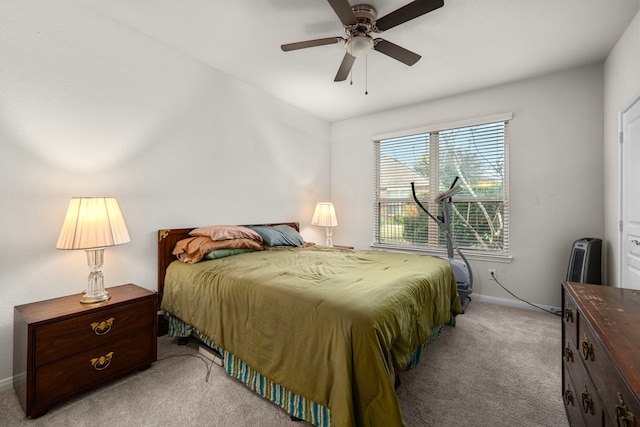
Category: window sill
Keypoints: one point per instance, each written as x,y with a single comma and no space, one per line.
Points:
443,254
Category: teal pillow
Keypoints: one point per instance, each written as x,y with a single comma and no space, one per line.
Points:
221,253
278,235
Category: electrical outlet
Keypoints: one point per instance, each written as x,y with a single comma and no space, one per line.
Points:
492,273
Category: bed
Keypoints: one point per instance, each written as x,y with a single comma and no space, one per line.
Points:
322,332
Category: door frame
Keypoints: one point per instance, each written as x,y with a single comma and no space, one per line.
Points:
622,151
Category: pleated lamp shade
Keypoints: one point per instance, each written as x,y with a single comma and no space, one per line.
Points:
324,215
93,222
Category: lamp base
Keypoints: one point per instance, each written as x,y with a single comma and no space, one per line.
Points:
95,291
91,299
329,241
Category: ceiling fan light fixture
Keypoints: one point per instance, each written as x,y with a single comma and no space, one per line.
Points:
359,45
359,22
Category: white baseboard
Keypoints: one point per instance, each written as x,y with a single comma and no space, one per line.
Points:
512,303
6,384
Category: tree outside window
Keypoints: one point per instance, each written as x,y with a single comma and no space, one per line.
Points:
477,154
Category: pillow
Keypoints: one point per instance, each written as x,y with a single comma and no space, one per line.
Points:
226,232
278,235
221,253
192,249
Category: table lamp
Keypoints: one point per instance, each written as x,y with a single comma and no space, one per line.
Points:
325,216
93,224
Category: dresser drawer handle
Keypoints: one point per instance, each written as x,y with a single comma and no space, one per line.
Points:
102,362
587,401
624,418
102,328
568,315
587,349
568,354
567,396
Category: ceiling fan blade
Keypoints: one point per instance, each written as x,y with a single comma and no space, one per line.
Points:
342,8
345,68
310,43
396,52
407,13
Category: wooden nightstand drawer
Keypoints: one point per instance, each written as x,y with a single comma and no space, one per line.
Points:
62,347
90,368
60,339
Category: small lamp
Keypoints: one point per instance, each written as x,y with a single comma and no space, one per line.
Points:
325,216
92,224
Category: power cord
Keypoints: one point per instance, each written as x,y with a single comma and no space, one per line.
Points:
555,312
204,360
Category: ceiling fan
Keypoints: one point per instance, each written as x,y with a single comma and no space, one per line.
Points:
359,22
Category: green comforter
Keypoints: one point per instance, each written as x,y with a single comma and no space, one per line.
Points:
332,325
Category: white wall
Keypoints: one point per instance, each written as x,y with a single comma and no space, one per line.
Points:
556,176
90,108
622,84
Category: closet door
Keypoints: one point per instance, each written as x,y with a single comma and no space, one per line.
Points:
630,196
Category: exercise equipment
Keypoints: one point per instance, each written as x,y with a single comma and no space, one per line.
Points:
461,268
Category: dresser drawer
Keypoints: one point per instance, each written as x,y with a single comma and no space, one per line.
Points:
91,367
626,411
616,398
586,395
570,397
61,339
606,352
570,319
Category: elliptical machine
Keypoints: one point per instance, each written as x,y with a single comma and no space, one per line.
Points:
461,268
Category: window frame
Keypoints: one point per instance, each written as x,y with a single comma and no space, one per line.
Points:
503,256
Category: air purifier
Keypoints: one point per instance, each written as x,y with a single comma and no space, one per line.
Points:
585,261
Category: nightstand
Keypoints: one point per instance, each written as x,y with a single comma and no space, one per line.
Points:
62,348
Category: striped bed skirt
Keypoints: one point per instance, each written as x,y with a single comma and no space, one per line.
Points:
296,405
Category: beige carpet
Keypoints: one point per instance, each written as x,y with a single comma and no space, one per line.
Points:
499,367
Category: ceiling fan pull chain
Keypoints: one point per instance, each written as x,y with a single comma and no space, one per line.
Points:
366,74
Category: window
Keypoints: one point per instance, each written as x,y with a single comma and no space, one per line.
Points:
431,158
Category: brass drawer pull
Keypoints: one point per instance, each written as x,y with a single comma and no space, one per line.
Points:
624,418
568,354
587,401
102,362
568,314
587,349
102,328
567,396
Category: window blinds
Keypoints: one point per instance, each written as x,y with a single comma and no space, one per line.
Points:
477,154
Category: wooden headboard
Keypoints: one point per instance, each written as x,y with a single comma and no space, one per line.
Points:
167,240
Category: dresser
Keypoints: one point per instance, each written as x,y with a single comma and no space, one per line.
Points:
601,355
62,348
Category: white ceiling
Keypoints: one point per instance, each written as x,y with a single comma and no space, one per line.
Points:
465,45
